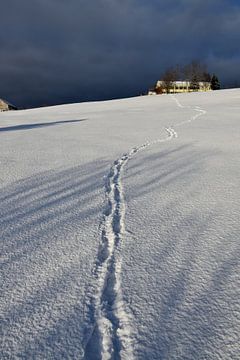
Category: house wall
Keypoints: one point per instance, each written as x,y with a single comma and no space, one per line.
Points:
3,105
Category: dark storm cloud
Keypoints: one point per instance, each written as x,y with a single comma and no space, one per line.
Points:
55,51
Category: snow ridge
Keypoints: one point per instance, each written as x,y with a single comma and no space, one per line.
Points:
112,330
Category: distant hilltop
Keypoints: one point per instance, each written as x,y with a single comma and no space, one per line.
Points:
6,106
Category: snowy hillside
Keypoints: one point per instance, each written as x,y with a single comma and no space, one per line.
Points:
120,231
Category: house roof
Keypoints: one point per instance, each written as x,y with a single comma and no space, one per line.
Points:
178,82
8,103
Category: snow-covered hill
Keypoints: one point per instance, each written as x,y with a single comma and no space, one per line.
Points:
120,231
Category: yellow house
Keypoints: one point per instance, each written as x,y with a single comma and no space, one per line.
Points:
180,87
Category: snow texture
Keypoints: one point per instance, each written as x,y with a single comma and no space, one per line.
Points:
119,226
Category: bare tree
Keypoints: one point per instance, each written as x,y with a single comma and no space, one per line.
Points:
170,75
195,72
206,77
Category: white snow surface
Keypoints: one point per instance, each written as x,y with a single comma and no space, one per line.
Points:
120,229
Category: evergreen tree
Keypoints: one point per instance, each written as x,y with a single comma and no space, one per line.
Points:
215,84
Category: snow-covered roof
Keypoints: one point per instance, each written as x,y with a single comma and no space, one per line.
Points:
183,82
8,103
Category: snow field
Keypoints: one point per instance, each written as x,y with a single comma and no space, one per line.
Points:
121,256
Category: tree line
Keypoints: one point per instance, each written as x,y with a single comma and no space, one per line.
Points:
194,72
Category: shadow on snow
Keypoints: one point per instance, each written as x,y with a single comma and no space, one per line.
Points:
48,240
37,125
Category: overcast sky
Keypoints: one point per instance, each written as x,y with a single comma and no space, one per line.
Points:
58,51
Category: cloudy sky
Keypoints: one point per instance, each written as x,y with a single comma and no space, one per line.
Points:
58,51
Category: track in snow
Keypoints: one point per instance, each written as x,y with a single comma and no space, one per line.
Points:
200,112
110,337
